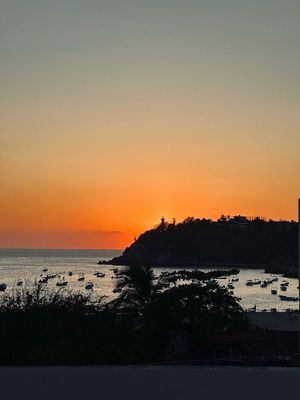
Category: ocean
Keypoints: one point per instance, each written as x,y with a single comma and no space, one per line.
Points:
28,264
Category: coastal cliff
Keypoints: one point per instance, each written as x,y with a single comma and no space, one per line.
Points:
236,241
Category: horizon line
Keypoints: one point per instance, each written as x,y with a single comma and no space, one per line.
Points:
58,248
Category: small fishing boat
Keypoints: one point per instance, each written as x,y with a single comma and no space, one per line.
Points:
61,283
19,283
3,287
45,269
288,298
89,285
267,282
256,282
249,282
99,274
81,277
274,291
234,279
51,276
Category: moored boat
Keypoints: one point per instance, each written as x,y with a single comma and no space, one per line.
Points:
89,285
288,298
99,274
62,282
256,282
3,287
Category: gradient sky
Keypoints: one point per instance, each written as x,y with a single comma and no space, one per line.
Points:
113,113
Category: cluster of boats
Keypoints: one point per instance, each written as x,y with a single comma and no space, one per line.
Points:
283,287
263,284
63,282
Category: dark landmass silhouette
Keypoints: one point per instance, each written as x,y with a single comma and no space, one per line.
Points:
230,241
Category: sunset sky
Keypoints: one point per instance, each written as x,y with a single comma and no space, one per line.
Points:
116,112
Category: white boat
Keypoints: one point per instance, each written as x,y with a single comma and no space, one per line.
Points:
256,282
99,274
61,283
89,285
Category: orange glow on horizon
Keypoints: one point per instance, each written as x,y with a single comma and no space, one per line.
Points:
115,114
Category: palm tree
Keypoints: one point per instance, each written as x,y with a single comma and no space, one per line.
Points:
139,286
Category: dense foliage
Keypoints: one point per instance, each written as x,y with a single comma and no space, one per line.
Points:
39,326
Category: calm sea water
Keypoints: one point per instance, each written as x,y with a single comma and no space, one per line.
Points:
27,265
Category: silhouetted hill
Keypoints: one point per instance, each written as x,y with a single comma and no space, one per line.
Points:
229,241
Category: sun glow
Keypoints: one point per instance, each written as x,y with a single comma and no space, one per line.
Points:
112,117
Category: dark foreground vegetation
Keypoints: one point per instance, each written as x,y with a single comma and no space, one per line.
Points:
42,327
230,241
